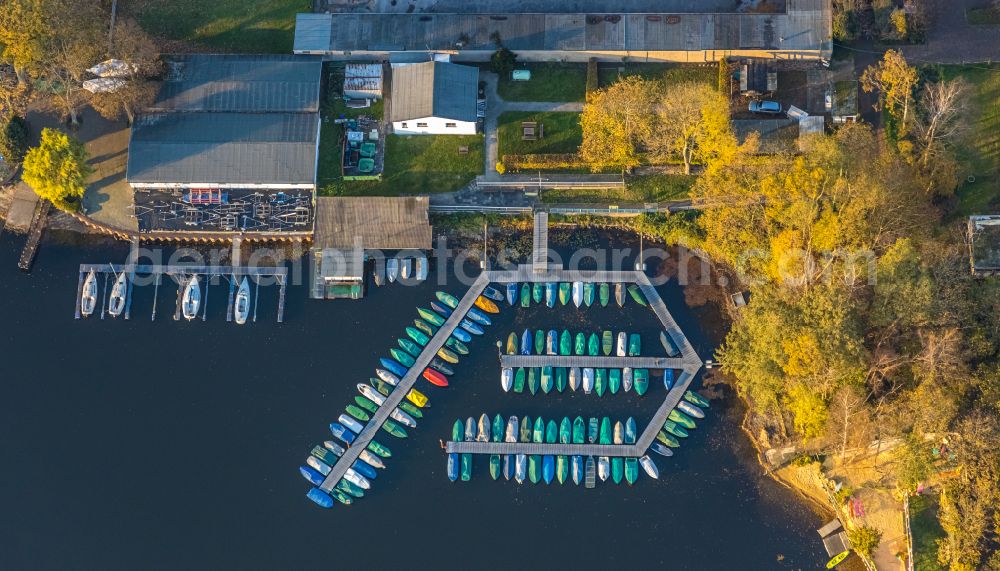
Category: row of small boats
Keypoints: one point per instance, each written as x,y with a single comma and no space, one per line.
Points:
549,467
373,396
396,268
566,343
588,379
579,293
190,297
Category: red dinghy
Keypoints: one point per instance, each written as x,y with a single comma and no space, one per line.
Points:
435,378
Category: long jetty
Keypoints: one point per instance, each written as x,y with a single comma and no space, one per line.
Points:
611,362
405,384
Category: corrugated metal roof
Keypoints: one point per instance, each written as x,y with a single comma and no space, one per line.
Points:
251,83
234,148
434,89
386,223
312,32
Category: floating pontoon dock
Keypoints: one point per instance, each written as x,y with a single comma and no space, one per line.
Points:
182,272
610,362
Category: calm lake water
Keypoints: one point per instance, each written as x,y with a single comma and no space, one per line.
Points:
170,445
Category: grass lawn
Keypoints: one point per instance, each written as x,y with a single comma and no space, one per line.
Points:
253,26
926,531
415,164
549,82
980,153
668,72
644,188
562,133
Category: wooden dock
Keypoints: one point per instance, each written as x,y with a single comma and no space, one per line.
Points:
38,222
540,243
405,384
181,273
619,450
602,362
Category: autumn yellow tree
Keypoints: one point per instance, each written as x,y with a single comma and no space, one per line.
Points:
57,169
895,80
692,123
616,121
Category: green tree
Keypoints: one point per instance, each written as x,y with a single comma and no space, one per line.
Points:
13,139
57,169
864,540
913,464
502,62
24,31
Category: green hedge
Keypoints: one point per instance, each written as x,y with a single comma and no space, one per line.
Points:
544,161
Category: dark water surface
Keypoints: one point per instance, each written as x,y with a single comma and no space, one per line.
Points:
169,445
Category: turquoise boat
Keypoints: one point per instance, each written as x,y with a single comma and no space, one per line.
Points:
564,293
565,431
562,378
431,316
498,428
681,419
410,347
562,468
403,357
580,347
636,293
605,434
547,380
456,345
539,342
605,295
600,381
519,380
536,292
565,343
579,430
457,431
533,380
550,294
551,432
640,377
593,345
538,432
417,336
466,467
494,466
614,380
675,429
379,449
447,299
525,295
696,399
631,470
534,471
592,430
634,345
618,463
588,294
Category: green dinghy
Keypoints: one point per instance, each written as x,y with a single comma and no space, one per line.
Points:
404,358
593,345
614,380
431,316
588,294
675,429
533,380
538,431
605,437
668,439
696,399
636,293
564,293
456,345
494,466
539,342
498,428
681,419
547,380
427,329
580,347
411,409
447,299
562,378
579,430
551,432
565,343
600,381
417,336
604,295
519,380
607,343
634,345
525,435
379,449
410,347
537,291
457,431
366,404
466,467
357,412
640,379
525,295
534,468
394,429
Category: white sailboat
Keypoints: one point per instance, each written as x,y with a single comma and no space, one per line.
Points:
191,299
242,309
118,294
88,297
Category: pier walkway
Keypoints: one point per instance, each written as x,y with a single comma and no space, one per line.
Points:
405,384
540,243
624,450
610,362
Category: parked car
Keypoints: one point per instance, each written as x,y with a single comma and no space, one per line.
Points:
766,107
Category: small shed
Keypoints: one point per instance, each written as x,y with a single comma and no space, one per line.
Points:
363,81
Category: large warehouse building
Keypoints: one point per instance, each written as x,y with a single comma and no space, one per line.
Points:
795,30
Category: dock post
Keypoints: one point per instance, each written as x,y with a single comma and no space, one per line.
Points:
256,296
79,296
281,299
156,290
232,291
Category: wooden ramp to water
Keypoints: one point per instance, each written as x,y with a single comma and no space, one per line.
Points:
38,222
610,362
540,243
405,384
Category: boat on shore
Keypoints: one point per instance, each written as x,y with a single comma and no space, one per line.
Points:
191,298
119,294
391,269
577,293
512,293
88,295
